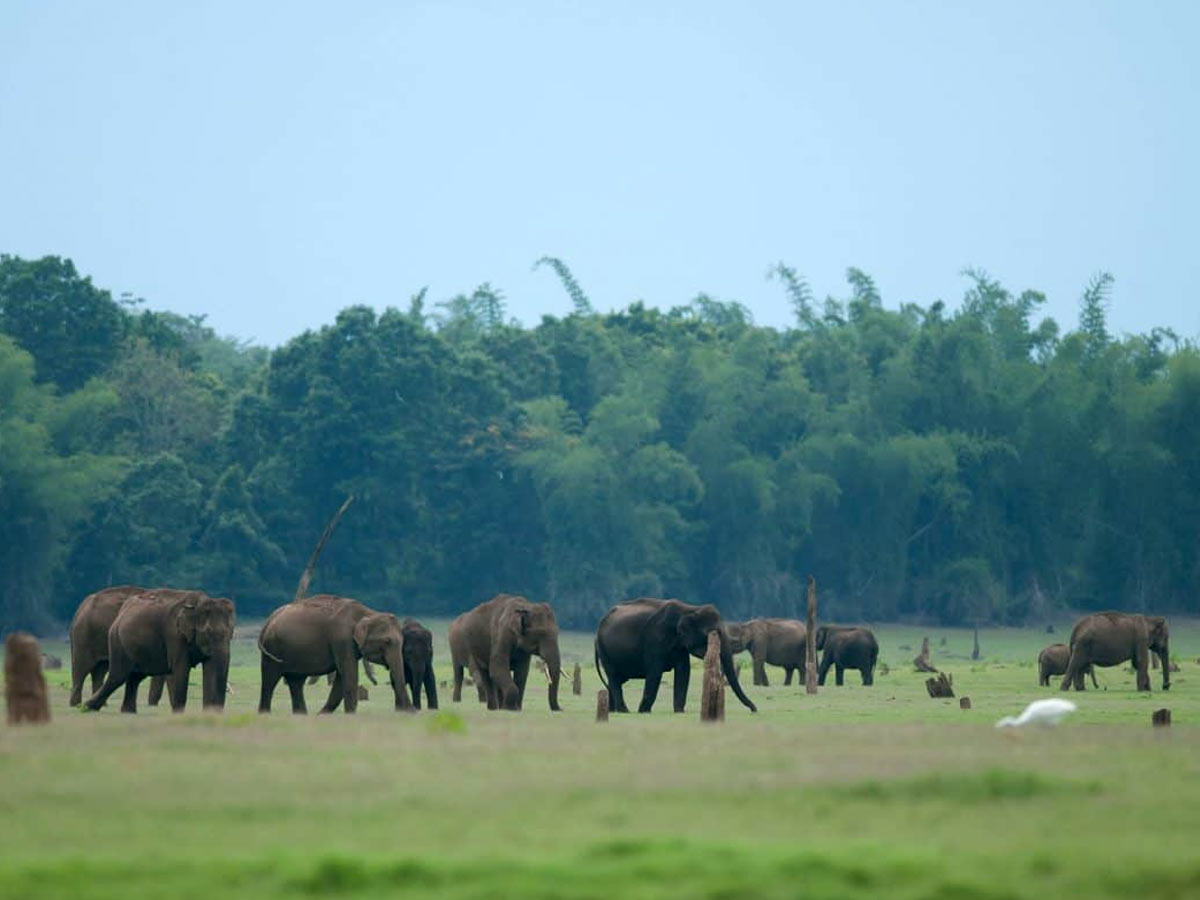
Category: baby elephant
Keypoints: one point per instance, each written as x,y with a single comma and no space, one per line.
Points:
1053,661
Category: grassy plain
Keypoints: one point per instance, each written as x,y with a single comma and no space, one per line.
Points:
857,792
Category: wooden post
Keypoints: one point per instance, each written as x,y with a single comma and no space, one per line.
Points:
1161,718
577,681
711,705
602,706
24,684
810,640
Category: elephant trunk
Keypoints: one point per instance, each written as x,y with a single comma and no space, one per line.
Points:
549,652
395,664
731,676
215,679
417,669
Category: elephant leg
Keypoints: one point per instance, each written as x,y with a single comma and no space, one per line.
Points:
295,685
520,676
456,697
98,674
679,687
480,684
116,675
269,676
760,672
78,674
129,703
616,695
826,662
337,696
431,700
178,686
157,683
868,675
839,674
486,688
1043,677
1142,664
787,675
650,691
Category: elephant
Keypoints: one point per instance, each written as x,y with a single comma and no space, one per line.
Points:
779,642
325,633
460,658
846,647
645,637
167,632
418,662
89,636
499,637
1111,638
1053,661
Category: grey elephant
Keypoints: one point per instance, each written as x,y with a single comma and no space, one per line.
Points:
89,636
500,637
167,632
418,663
646,637
329,634
1053,661
1111,638
846,647
777,642
460,659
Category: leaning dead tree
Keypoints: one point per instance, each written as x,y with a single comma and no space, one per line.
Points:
712,706
941,686
306,577
921,661
810,640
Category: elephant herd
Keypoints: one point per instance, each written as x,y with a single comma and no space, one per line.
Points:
123,635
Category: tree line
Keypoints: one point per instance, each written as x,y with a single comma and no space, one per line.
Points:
961,466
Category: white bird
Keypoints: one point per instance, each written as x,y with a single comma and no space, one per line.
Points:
1040,712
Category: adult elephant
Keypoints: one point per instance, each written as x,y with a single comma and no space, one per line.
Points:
1053,661
500,637
418,662
89,636
460,659
326,633
167,632
846,647
644,638
778,642
1111,638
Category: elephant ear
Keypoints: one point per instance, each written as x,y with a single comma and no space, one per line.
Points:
360,632
185,619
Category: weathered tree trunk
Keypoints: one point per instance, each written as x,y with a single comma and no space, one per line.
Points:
306,576
810,639
975,651
602,706
711,705
940,686
577,681
922,660
24,685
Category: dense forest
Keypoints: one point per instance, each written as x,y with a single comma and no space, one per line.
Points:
969,465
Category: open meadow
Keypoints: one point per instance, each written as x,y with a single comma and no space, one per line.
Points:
857,792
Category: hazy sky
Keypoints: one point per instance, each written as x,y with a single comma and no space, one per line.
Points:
268,164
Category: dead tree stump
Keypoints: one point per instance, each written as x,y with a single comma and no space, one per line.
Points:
941,686
810,639
921,661
24,685
713,686
1161,718
964,702
602,706
577,681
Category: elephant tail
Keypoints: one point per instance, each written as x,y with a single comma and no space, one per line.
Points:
599,669
266,652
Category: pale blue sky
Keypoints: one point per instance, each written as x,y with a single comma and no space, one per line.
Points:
268,164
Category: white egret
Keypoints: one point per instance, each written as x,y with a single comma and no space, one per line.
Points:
1040,712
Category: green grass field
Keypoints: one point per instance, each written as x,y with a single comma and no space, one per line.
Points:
857,792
